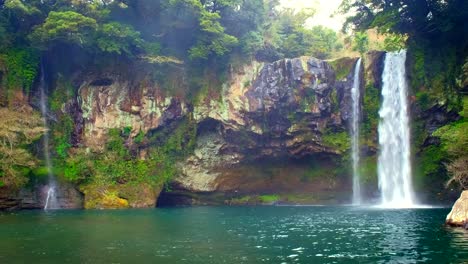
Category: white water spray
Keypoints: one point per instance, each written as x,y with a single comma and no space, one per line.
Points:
394,167
51,200
356,98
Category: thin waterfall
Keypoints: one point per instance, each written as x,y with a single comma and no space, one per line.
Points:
394,167
51,200
356,98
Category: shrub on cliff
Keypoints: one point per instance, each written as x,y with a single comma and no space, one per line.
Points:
17,129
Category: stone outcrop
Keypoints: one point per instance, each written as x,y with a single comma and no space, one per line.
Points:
126,196
34,197
458,216
268,112
116,103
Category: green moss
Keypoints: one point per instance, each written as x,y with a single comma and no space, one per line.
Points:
307,100
335,104
371,105
368,170
268,198
429,169
40,171
139,137
339,141
464,111
423,99
342,67
119,165
126,131
317,170
241,200
63,93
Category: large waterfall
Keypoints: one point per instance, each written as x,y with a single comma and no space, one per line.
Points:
356,98
51,199
394,167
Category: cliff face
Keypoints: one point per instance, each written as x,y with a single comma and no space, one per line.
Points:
277,129
271,128
282,112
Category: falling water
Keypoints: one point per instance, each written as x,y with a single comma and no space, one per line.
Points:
355,94
51,200
394,168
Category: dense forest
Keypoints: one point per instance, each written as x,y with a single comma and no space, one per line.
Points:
190,50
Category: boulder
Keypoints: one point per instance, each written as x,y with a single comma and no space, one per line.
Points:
459,214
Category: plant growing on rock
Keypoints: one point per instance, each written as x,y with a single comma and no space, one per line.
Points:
18,129
459,171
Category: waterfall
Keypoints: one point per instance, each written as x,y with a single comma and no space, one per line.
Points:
356,98
51,200
394,167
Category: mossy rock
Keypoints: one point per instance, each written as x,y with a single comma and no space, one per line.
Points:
339,141
343,67
120,196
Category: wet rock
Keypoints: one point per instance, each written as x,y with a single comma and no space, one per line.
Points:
458,216
35,195
120,196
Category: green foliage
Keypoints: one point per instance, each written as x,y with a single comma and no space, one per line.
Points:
20,7
251,42
339,141
317,170
434,73
117,164
139,137
422,19
21,66
370,111
323,42
125,131
65,26
62,136
62,129
394,42
18,129
464,111
361,42
454,137
342,67
431,160
268,198
121,39
368,170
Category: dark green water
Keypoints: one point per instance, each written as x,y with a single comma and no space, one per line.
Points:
232,235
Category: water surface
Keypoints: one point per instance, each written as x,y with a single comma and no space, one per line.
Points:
232,235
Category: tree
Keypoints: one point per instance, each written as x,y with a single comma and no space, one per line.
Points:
118,38
324,42
67,26
418,18
18,128
361,42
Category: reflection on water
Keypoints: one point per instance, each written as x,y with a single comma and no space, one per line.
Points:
232,235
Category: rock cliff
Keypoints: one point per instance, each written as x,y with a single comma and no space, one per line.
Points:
276,129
